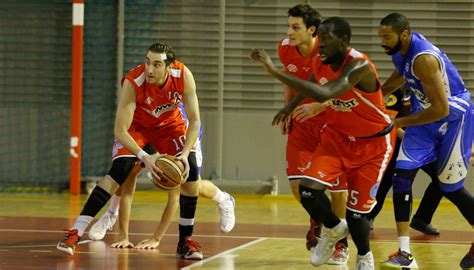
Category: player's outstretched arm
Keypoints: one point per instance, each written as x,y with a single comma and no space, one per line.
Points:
353,73
166,217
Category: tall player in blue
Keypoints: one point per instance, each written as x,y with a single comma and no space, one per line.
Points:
438,130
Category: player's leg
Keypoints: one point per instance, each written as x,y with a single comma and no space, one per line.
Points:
385,185
209,190
121,167
188,248
417,149
300,146
421,221
338,204
109,218
453,163
468,261
224,200
323,171
318,206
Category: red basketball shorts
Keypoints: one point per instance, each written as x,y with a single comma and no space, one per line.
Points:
361,161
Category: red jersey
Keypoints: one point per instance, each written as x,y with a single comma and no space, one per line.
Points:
299,66
355,113
155,106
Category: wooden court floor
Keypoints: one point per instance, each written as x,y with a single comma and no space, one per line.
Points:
269,234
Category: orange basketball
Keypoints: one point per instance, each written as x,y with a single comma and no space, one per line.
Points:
172,169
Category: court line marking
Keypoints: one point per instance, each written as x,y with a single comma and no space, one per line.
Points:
218,255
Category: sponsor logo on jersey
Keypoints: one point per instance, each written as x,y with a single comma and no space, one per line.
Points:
292,68
159,110
343,105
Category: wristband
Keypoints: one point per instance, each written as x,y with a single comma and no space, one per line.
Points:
141,154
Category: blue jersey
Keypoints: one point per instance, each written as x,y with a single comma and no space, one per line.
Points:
446,141
453,83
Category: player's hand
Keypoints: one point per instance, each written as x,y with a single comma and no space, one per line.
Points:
306,111
124,243
151,243
283,115
184,158
150,164
262,56
285,126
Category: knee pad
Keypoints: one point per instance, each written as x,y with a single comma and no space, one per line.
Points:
121,168
149,149
193,168
403,180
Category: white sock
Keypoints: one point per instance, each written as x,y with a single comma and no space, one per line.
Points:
81,224
114,205
220,196
404,243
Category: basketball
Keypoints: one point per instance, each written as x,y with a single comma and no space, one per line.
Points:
172,175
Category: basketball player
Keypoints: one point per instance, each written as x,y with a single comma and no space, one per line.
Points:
296,53
357,140
398,103
148,112
439,130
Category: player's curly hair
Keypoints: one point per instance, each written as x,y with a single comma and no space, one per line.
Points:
397,21
311,16
163,48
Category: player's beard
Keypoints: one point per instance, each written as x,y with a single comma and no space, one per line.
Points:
395,49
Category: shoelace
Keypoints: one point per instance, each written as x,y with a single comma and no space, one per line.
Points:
194,246
108,224
71,236
393,255
339,250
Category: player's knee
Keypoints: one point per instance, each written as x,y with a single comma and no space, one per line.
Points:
193,168
121,168
403,180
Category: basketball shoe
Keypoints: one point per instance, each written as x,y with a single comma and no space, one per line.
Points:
313,235
69,243
365,262
226,209
329,237
400,260
189,249
340,255
468,260
105,223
